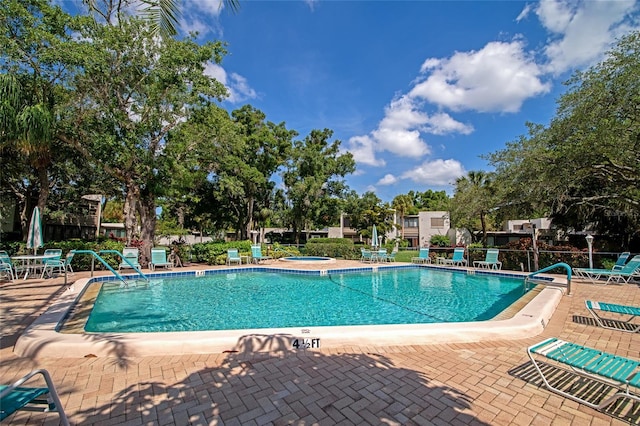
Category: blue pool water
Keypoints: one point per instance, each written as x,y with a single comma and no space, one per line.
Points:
272,300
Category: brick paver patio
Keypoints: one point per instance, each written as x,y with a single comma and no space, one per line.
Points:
453,384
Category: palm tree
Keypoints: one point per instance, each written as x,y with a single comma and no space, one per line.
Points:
27,125
402,203
162,14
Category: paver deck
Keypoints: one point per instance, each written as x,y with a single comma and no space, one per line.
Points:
489,383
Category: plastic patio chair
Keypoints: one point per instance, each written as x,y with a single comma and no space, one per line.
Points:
423,256
457,259
159,259
490,261
131,254
233,257
256,254
62,265
6,266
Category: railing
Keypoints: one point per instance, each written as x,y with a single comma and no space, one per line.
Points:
127,261
284,251
523,260
531,276
101,260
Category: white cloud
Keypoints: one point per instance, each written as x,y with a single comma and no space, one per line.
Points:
237,86
555,15
499,77
201,16
398,131
525,12
583,31
311,4
388,179
437,172
442,123
363,150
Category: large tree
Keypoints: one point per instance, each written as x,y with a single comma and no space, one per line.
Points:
369,210
34,41
314,181
584,167
132,90
473,201
264,147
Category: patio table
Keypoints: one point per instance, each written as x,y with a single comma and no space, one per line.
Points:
30,263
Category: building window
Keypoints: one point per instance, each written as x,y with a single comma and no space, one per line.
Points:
437,222
410,222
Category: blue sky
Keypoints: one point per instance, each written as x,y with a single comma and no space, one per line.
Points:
417,91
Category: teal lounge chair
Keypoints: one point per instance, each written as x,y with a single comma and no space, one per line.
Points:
619,377
423,256
457,259
159,259
131,254
628,272
233,257
490,260
256,254
15,397
622,260
627,326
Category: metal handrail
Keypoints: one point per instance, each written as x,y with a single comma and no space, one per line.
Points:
113,271
123,257
554,266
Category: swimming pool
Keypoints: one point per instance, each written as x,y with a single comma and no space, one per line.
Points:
59,331
265,299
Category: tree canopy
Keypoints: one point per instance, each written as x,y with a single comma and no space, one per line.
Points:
583,169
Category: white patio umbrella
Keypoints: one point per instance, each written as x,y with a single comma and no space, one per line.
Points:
34,238
374,237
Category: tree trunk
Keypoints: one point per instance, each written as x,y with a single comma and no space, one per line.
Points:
483,222
249,224
147,210
43,195
130,203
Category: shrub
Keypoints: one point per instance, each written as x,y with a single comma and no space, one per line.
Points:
215,252
332,247
440,241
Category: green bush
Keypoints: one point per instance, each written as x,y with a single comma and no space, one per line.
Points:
215,252
332,247
82,261
440,241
